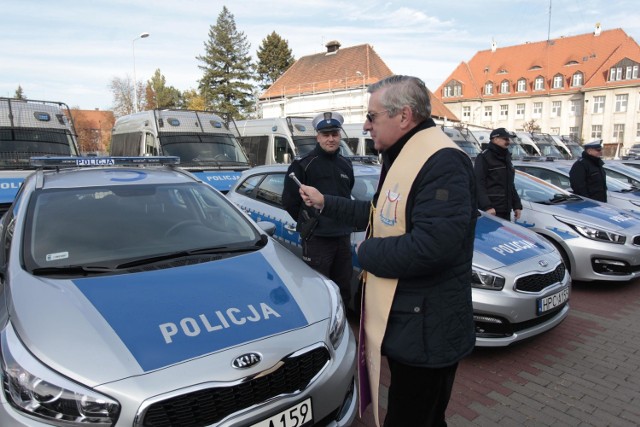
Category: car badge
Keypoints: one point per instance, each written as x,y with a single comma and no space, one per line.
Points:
246,360
543,263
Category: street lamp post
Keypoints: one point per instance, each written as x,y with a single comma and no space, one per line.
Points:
135,82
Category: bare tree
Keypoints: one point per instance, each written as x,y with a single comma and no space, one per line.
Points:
123,99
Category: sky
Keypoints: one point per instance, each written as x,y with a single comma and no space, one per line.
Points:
69,50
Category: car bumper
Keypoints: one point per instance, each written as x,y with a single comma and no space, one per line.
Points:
591,260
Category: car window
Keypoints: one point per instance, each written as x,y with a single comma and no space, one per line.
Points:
365,187
532,191
547,175
270,189
98,226
249,184
624,178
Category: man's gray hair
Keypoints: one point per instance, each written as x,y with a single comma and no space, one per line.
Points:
404,91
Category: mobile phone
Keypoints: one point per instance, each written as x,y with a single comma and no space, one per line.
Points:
295,178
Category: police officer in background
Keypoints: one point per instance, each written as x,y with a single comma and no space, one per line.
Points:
326,242
587,176
495,176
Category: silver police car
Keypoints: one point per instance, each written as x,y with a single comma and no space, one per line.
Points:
597,240
619,193
520,286
140,296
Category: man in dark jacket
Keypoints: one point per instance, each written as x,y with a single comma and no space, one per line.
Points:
495,176
326,243
587,175
418,257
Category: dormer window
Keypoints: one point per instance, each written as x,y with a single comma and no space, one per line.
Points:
577,79
538,83
624,70
535,67
504,86
488,88
558,81
572,62
522,85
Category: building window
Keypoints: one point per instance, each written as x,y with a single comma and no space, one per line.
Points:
520,111
504,86
598,104
576,80
488,112
596,132
453,88
618,132
557,81
538,83
488,88
522,85
556,108
504,111
537,109
555,131
573,132
621,103
634,72
637,130
575,108
466,112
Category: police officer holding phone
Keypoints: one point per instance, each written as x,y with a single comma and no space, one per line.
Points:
326,242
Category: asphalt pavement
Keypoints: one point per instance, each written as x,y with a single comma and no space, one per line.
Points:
585,372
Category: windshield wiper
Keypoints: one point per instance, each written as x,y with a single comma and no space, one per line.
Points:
72,270
559,198
262,241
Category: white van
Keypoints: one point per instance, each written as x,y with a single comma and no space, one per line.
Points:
358,139
279,140
30,128
203,141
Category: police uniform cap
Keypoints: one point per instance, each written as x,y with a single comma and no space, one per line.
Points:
501,133
327,122
597,144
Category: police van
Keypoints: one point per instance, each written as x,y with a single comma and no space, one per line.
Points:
359,139
31,128
201,139
279,139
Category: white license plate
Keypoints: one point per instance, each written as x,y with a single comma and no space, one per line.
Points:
300,415
552,301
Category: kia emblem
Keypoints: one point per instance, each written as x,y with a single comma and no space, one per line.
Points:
246,360
543,263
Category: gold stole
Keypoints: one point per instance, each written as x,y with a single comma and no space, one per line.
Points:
388,220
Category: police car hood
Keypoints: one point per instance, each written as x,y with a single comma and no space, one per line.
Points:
101,329
589,212
499,244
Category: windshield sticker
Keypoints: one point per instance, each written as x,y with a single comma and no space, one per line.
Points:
505,244
171,315
57,256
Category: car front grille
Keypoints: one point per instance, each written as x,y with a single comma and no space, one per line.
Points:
538,282
208,406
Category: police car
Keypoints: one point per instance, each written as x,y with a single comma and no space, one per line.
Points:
619,193
134,294
520,286
598,241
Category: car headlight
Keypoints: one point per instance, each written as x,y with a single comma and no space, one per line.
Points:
39,392
338,318
482,279
593,233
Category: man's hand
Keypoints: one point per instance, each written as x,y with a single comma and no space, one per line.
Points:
491,211
312,197
517,213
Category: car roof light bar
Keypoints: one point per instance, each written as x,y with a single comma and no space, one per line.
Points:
103,161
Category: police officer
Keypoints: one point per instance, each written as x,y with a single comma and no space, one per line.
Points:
495,177
587,175
326,242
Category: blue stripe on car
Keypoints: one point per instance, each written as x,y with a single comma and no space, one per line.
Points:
170,315
505,244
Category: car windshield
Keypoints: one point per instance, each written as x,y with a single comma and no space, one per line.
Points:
107,227
198,150
365,187
304,145
17,146
612,183
531,190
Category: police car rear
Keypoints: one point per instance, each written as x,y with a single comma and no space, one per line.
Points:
140,296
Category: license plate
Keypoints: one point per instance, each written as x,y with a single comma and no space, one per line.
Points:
552,301
300,415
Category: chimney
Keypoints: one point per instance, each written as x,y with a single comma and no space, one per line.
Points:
597,30
494,45
333,46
